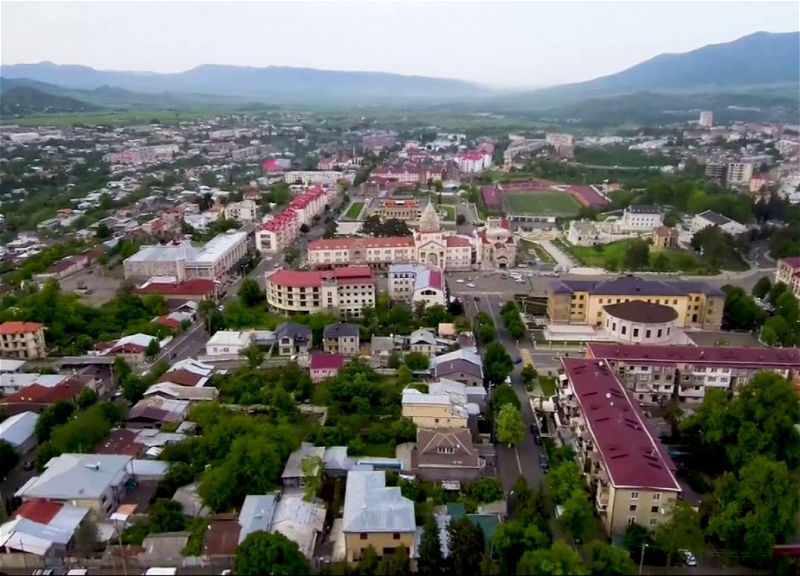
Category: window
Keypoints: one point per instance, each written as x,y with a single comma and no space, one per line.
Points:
631,520
624,330
363,536
634,495
657,496
396,536
446,450
635,332
654,509
632,508
653,521
647,333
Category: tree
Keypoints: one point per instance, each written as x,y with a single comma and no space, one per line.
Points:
250,293
513,538
637,255
373,226
466,546
369,561
660,262
86,398
166,516
485,490
291,254
461,220
562,481
304,228
577,516
497,364
404,375
430,561
398,564
394,361
559,559
9,457
681,532
266,553
529,373
133,389
605,560
741,311
311,466
762,287
86,537
255,356
510,428
153,348
45,453
502,395
103,232
417,361
775,292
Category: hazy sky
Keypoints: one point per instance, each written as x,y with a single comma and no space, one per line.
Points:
497,43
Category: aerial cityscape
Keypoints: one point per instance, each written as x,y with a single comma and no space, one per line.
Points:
272,311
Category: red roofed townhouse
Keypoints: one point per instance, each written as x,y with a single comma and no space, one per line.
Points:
788,272
324,365
344,290
631,478
36,397
271,166
24,340
275,235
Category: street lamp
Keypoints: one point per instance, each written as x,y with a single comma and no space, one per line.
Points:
641,559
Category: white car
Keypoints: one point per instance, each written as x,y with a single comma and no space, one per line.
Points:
688,557
460,281
471,285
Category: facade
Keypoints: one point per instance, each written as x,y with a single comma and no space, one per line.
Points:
706,119
23,340
583,233
342,339
471,162
638,322
656,374
423,341
293,339
788,272
496,245
699,305
444,454
226,343
740,173
417,283
244,211
642,217
324,365
344,290
280,232
434,410
328,177
709,218
376,515
717,173
406,209
630,477
183,261
664,239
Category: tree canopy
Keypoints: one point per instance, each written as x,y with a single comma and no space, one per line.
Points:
497,364
510,428
374,226
559,559
268,553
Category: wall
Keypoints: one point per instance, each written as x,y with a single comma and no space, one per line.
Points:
620,501
434,416
378,540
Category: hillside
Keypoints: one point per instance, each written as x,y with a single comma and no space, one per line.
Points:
26,101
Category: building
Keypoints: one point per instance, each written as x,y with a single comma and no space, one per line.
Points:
581,302
19,431
496,245
132,348
417,283
94,481
406,209
244,211
23,340
460,365
328,177
630,477
293,475
584,233
739,173
155,411
442,454
434,410
642,217
717,173
42,529
171,288
342,338
640,322
278,233
788,272
664,238
424,342
228,343
709,218
655,374
324,365
706,119
471,162
293,339
214,260
344,290
376,515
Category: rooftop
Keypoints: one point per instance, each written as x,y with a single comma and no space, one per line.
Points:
644,312
14,327
326,361
17,429
371,506
714,218
633,285
723,355
76,476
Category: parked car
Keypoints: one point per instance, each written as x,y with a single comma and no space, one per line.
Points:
477,299
544,463
537,439
516,359
28,465
688,557
534,429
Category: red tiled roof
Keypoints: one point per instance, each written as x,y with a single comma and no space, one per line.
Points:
168,322
711,355
793,262
182,377
342,243
326,361
630,454
37,510
14,327
457,241
271,165
353,272
296,279
120,441
38,394
195,286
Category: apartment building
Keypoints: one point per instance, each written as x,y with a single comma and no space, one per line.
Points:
434,410
709,218
740,173
664,238
788,272
630,477
642,217
706,119
655,374
417,283
244,211
23,340
582,302
143,155
278,233
471,162
309,177
406,209
346,290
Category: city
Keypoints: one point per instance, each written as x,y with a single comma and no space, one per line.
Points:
282,339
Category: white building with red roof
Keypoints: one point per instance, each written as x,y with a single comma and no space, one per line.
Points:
345,291
417,283
788,272
280,232
496,245
325,365
473,161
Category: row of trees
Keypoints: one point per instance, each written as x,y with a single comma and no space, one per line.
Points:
484,328
512,320
781,327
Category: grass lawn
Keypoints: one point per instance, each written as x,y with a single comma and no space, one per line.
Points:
548,386
379,450
612,257
540,252
354,211
449,210
552,203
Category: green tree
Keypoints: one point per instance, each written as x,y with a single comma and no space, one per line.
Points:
267,553
467,546
394,361
166,516
681,531
398,564
461,220
255,356
369,562
86,537
250,293
502,395
562,481
497,364
86,398
512,539
660,262
510,428
606,560
485,490
577,516
637,255
762,287
103,232
133,389
45,453
153,348
559,560
417,361
311,466
430,561
776,291
529,374
404,375
9,458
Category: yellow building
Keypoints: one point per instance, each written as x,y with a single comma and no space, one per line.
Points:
24,340
581,302
630,480
664,238
433,410
376,515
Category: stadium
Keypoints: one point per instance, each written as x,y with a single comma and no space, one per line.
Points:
540,201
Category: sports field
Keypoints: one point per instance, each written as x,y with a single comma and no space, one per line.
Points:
546,202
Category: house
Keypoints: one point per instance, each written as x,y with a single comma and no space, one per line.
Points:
133,348
94,481
155,411
23,340
227,343
168,390
423,341
664,238
37,397
324,365
709,218
434,410
41,528
788,272
376,515
446,454
18,431
171,288
10,366
293,475
186,376
417,283
460,391
460,365
341,338
641,217
293,339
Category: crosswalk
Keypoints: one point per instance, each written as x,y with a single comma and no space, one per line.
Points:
478,292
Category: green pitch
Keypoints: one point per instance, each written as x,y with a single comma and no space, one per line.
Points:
550,203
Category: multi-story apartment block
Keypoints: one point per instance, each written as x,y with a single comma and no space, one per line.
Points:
146,154
309,177
244,211
655,374
582,302
24,340
417,283
344,290
642,217
739,173
279,233
788,272
631,479
717,173
470,162
706,119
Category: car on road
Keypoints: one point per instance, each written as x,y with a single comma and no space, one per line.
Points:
544,463
537,439
460,281
28,465
477,298
516,359
471,285
534,429
688,557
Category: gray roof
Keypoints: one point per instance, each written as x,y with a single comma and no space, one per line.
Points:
77,476
293,331
294,465
339,330
422,335
371,506
256,514
335,458
382,343
644,209
634,285
715,218
458,365
19,428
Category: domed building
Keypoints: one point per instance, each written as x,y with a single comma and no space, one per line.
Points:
639,322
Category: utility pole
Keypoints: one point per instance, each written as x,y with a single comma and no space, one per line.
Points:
641,558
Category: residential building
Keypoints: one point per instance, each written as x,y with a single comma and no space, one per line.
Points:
23,340
655,374
155,411
293,339
94,481
417,283
630,477
739,173
183,261
460,365
461,392
434,410
788,272
709,218
446,454
664,238
228,343
40,528
293,475
471,162
376,515
581,302
42,394
244,211
342,338
583,233
344,290
131,348
423,341
642,217
717,173
329,177
172,289
706,119
406,209
278,233
64,268
324,365
19,431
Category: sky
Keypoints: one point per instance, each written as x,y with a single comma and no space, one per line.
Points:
501,44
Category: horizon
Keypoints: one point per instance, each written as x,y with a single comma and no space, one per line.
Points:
79,34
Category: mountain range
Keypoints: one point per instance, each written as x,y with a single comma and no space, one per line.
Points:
756,62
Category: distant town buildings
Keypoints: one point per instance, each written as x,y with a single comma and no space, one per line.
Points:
788,272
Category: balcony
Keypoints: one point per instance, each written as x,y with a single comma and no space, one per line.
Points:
601,500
